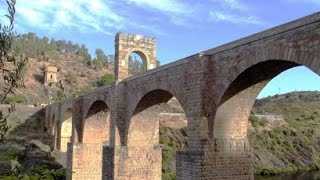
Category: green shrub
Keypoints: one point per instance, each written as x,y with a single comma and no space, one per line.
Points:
15,99
185,131
71,79
105,79
11,154
263,122
254,121
37,172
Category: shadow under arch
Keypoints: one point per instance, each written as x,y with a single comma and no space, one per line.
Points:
231,117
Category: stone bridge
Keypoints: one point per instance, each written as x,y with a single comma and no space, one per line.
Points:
104,139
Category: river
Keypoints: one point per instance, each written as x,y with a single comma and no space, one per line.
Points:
297,176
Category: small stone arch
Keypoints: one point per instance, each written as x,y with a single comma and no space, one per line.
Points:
144,57
125,44
66,129
53,130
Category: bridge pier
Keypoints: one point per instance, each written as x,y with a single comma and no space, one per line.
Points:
84,161
218,159
134,163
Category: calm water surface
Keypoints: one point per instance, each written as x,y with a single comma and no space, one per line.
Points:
298,176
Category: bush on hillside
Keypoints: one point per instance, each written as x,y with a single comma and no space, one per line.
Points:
71,79
15,99
105,79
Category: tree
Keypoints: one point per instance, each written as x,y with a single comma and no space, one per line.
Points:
101,59
10,66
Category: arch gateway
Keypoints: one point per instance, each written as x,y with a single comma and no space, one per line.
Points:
216,90
125,44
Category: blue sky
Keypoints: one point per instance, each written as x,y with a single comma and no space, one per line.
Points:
182,27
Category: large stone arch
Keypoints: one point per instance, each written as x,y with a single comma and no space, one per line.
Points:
136,130
243,83
87,154
96,123
142,146
148,98
125,44
253,73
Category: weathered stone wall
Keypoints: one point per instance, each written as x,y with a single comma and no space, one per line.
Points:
85,161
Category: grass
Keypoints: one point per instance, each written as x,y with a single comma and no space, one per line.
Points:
11,153
16,99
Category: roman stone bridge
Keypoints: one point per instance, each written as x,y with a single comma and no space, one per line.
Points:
104,139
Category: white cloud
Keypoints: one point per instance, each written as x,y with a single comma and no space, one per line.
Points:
85,16
168,6
219,16
53,15
231,4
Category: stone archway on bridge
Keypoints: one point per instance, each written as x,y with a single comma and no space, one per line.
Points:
97,123
87,155
137,62
143,140
125,44
66,130
231,118
53,131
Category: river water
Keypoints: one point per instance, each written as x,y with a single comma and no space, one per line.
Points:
298,176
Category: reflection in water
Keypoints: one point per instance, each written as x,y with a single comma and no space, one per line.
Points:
298,176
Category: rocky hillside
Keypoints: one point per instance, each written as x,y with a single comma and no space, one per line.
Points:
77,70
73,71
289,141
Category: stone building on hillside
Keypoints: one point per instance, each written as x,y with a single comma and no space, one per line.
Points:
50,75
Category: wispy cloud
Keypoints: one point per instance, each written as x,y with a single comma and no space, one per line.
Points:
233,11
218,16
231,4
53,15
177,12
168,6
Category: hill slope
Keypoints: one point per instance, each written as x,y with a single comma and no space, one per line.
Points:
291,142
